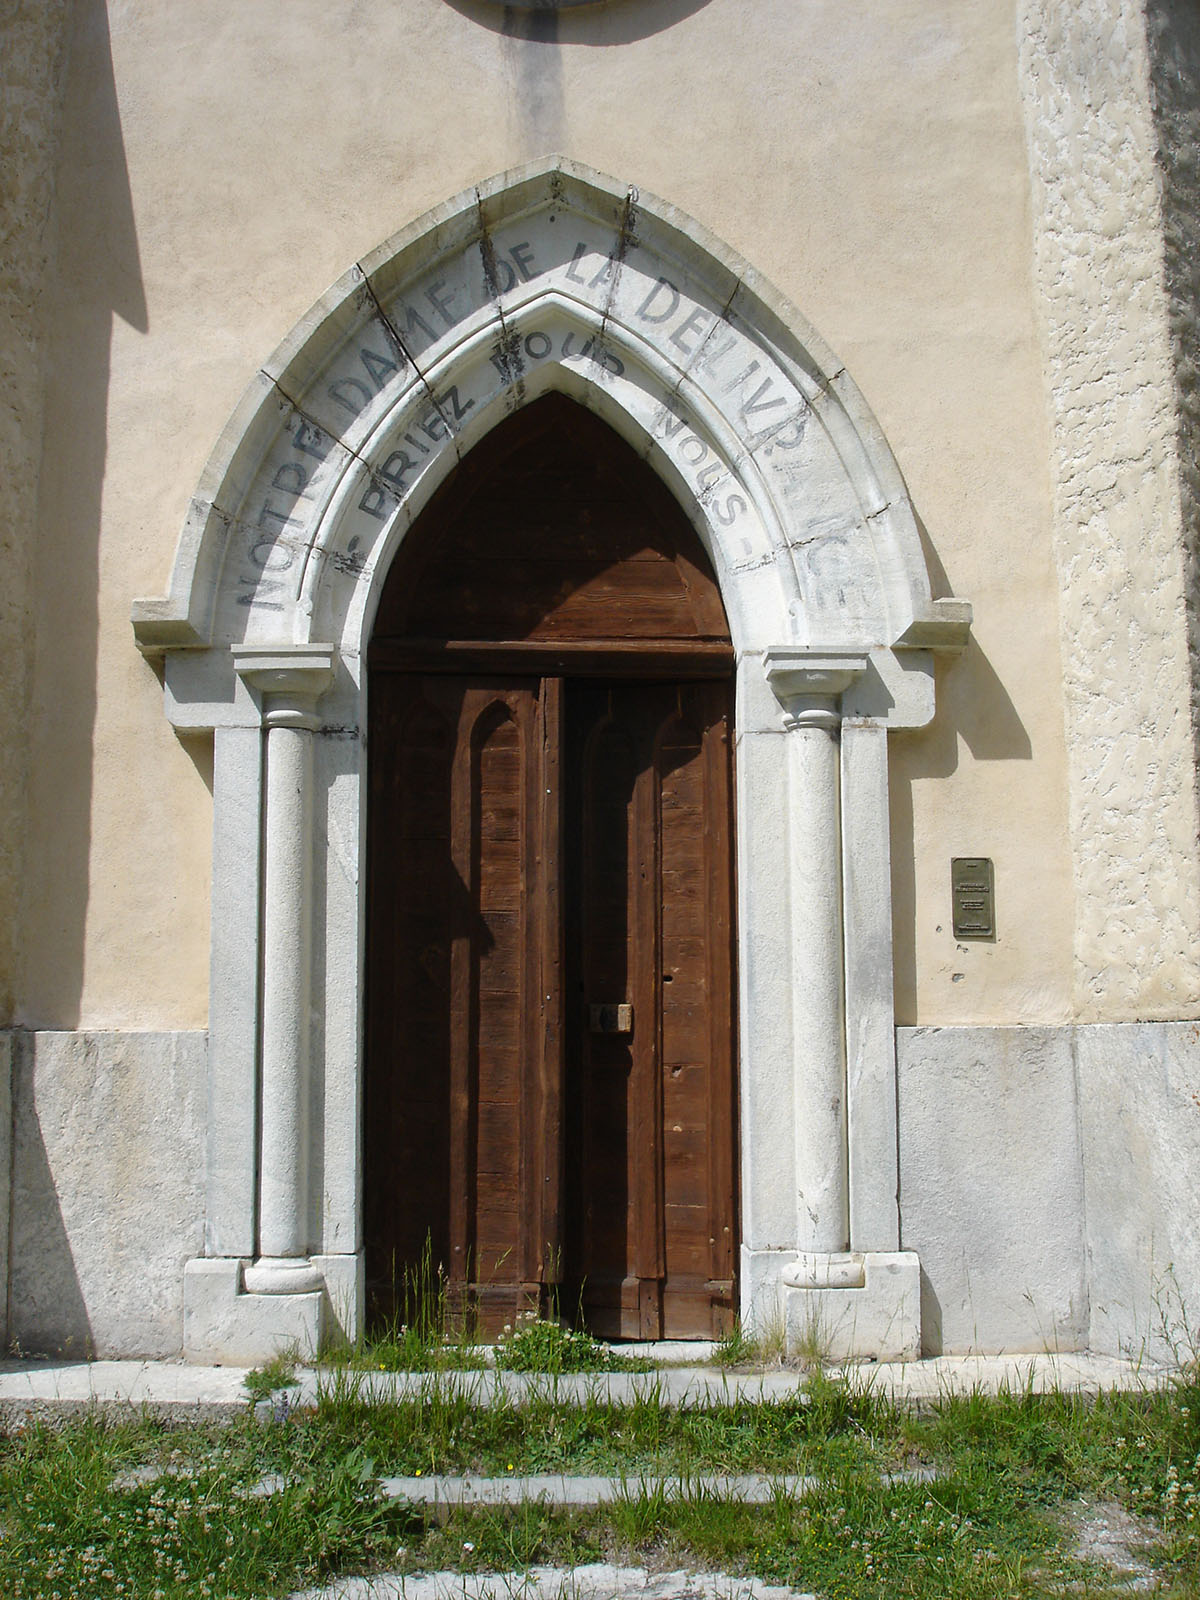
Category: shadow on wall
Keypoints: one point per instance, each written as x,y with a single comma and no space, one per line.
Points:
972,703
932,1339
606,22
1173,31
47,1313
536,97
98,276
107,1190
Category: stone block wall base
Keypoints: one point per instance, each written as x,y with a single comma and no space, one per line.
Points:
345,1296
880,1321
223,1324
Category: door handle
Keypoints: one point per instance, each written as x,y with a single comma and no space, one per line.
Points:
611,1018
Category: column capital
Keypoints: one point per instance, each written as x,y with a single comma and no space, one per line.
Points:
290,679
809,681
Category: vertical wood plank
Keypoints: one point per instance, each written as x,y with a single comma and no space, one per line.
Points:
500,929
462,999
719,833
411,909
643,709
545,1135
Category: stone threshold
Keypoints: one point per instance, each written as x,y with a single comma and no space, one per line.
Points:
30,1384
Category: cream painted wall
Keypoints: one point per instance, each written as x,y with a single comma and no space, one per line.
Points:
228,162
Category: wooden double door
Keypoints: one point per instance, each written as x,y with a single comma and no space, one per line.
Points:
550,1096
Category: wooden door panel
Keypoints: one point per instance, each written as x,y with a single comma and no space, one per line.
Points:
552,528
460,1035
651,1111
464,1120
690,818
411,1017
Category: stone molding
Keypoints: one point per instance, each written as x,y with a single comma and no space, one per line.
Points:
945,628
877,1315
305,670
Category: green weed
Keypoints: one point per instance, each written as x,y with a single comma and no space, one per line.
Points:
738,1348
538,1345
278,1373
76,1521
432,1332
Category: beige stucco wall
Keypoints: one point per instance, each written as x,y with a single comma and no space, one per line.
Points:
222,165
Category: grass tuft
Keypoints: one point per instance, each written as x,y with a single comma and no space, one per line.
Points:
279,1373
538,1345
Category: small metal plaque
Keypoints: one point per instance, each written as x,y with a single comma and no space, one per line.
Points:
612,1019
973,891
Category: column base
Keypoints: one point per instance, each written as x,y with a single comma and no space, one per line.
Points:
281,1275
826,1269
827,1316
223,1324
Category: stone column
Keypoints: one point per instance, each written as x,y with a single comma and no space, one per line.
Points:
809,685
290,681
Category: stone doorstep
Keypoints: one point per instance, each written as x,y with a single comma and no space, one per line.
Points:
698,1386
597,1581
181,1388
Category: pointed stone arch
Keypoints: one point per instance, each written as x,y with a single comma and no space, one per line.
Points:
548,278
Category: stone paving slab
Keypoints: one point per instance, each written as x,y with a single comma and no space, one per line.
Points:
176,1384
443,1491
595,1489
130,1382
591,1489
598,1581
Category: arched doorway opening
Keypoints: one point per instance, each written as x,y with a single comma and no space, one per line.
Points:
550,1095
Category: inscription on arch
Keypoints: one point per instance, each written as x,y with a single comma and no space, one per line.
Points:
542,281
